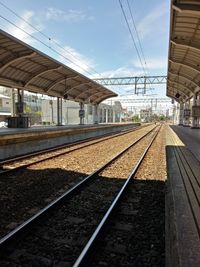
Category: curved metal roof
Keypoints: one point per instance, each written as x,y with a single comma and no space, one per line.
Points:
24,67
184,50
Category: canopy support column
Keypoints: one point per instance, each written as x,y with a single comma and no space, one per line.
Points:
187,114
20,102
13,107
195,112
95,118
59,111
106,115
181,112
81,113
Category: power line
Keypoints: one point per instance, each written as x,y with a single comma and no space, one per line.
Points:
132,37
138,37
44,35
41,42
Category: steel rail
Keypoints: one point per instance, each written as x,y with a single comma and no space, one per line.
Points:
4,170
26,226
82,259
52,149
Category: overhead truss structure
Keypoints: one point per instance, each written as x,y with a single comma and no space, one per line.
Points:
140,80
144,100
183,79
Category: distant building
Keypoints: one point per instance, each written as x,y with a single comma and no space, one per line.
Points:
43,110
5,107
145,115
70,112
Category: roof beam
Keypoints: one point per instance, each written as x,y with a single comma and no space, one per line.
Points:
39,73
76,86
187,8
184,65
182,85
185,44
88,90
185,78
52,85
181,95
30,55
177,90
11,83
100,99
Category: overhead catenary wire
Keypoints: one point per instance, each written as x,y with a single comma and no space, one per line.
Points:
132,37
41,42
48,38
138,37
137,34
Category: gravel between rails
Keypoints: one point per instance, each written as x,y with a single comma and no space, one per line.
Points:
154,165
26,191
135,235
59,240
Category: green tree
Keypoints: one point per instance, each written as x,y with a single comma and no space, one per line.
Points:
136,118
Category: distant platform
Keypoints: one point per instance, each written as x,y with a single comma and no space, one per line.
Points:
20,141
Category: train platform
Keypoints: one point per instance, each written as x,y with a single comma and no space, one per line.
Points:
183,197
190,137
20,141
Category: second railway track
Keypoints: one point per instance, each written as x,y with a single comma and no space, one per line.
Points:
67,229
23,161
25,191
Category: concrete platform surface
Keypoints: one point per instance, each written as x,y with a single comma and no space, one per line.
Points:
182,200
190,137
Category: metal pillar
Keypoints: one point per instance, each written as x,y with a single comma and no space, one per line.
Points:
81,113
59,111
13,107
195,112
186,114
181,113
95,118
20,102
61,114
114,115
106,115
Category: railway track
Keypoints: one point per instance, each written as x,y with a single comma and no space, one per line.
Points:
72,218
25,191
27,160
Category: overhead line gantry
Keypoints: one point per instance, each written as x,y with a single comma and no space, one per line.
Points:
140,80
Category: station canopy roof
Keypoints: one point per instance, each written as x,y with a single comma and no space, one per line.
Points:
184,50
24,67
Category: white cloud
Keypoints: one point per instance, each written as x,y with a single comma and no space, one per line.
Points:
70,15
153,20
120,72
153,63
76,60
23,28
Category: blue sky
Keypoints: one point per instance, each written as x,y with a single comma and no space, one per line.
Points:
94,33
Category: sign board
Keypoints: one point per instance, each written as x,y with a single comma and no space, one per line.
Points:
20,107
81,113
